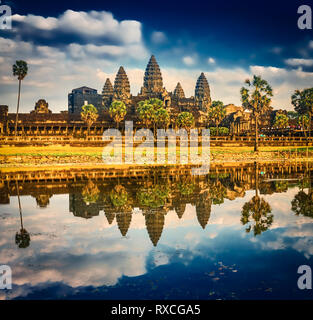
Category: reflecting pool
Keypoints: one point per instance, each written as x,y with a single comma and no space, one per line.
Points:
237,233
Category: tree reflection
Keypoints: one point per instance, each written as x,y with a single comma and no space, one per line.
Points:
90,193
218,192
22,238
256,212
153,197
302,204
119,196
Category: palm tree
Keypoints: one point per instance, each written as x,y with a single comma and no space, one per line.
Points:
256,211
152,112
217,113
117,111
303,103
90,193
162,118
258,101
22,239
185,120
89,115
20,70
281,121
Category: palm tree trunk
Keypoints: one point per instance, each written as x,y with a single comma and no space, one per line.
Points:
256,167
19,205
310,124
18,105
256,142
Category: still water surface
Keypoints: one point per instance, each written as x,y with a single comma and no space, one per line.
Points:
237,233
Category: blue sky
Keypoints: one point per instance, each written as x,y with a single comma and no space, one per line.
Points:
69,44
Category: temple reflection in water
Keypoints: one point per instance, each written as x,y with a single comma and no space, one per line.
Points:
155,192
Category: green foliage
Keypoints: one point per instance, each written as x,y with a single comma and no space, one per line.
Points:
281,121
303,121
256,213
217,112
152,112
118,111
22,239
292,115
89,114
90,193
186,188
162,118
185,120
303,101
154,197
257,97
218,192
219,131
119,196
20,69
302,204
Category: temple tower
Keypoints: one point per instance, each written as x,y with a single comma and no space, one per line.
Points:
153,82
179,92
110,217
107,93
123,222
154,224
180,209
203,209
203,94
121,86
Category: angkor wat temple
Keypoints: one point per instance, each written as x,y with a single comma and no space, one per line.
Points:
42,121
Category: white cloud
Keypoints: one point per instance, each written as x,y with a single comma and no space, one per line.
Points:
57,70
88,24
189,61
299,62
37,21
158,37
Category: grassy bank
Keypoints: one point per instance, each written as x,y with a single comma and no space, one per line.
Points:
62,155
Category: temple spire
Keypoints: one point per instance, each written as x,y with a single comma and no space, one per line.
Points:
107,92
202,93
153,82
123,222
154,224
121,86
179,92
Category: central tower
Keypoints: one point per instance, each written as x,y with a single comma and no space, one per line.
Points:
153,82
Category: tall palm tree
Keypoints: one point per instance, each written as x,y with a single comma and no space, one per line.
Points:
118,111
257,98
22,239
20,70
303,103
217,113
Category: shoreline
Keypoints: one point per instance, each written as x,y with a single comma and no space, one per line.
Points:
118,167
14,158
